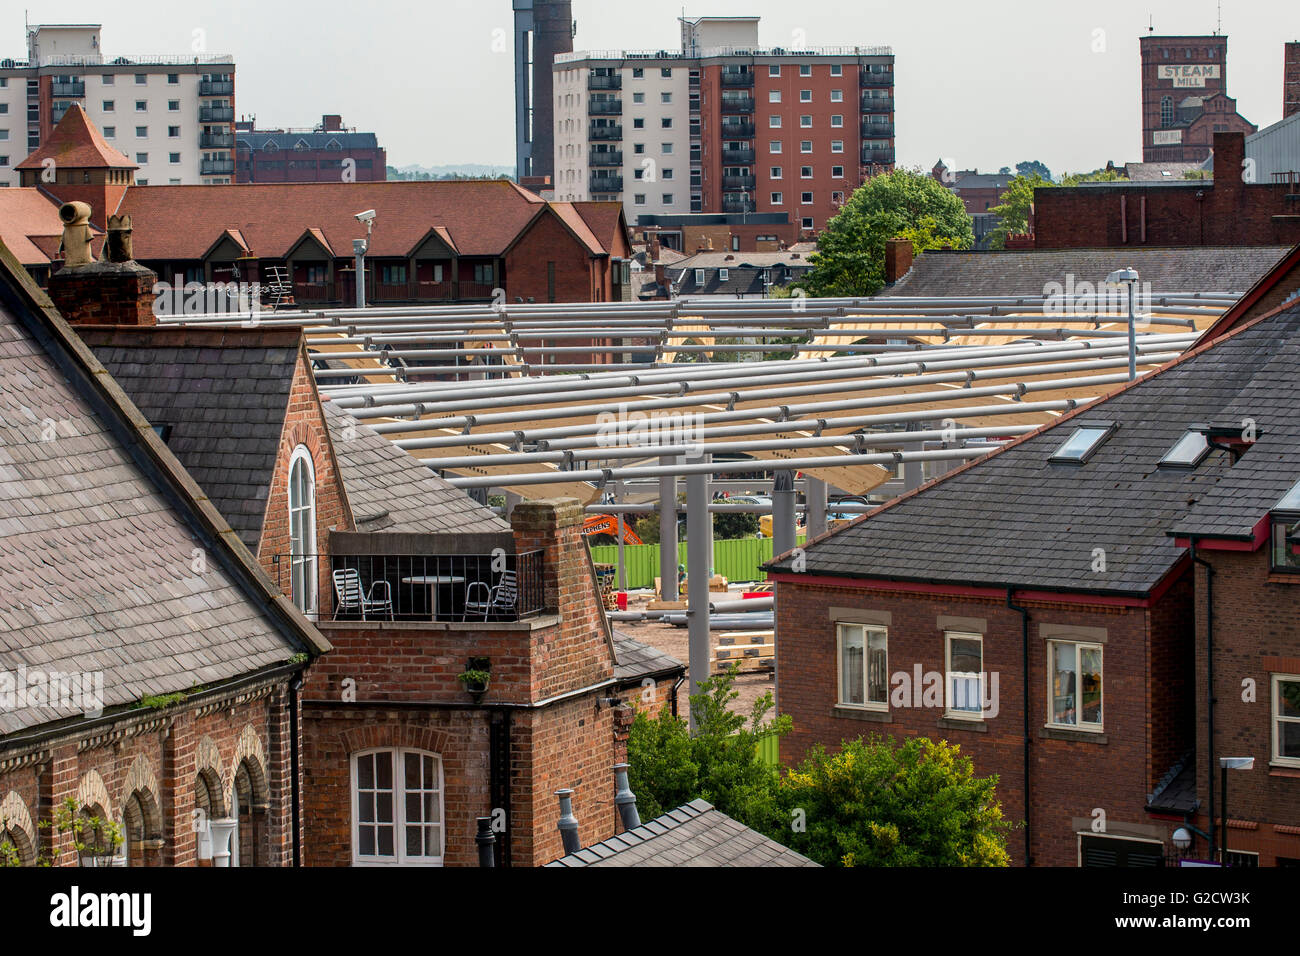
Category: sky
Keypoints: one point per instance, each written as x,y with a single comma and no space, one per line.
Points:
979,83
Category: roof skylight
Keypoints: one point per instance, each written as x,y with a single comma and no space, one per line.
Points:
1291,500
1187,451
1083,441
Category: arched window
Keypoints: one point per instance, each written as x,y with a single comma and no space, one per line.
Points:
397,808
302,530
15,848
1166,111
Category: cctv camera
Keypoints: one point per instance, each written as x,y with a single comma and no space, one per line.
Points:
366,216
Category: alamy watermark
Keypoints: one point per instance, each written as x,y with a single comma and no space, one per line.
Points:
633,429
1102,300
206,298
67,691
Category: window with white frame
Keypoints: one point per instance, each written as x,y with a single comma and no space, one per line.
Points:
807,223
774,146
837,96
1286,719
805,146
774,121
774,96
1074,685
837,69
397,808
724,275
964,666
805,96
805,199
805,122
302,530
837,121
805,172
862,653
699,277
777,199
775,172
805,69
837,146
837,172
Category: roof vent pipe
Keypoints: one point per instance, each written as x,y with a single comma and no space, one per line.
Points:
568,824
625,799
486,841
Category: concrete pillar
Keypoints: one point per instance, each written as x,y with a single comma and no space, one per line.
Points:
815,505
783,523
668,532
699,534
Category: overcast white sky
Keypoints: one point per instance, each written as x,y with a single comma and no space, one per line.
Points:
984,83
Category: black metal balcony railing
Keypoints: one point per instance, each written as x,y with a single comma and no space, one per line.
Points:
877,104
737,104
734,205
606,184
737,182
217,167
742,130
877,130
875,79
735,80
216,114
609,157
448,588
878,156
69,88
606,133
605,107
216,140
216,87
737,157
596,82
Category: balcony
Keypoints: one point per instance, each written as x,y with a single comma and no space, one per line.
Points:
877,130
216,114
595,82
867,79
742,130
877,156
445,588
216,140
877,104
72,88
606,133
737,182
738,206
737,157
737,104
58,109
217,167
606,184
610,157
604,107
216,87
737,80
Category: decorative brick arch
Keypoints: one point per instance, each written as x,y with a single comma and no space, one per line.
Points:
207,763
15,818
395,735
142,780
249,750
91,792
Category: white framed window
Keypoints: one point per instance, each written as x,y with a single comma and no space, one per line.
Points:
666,148
862,656
724,275
638,97
805,69
837,69
141,106
805,172
805,146
699,277
109,132
837,96
173,79
141,79
142,158
964,670
805,96
774,121
1074,685
397,811
174,158
774,172
1286,720
807,223
837,120
774,146
837,197
667,172
837,146
668,199
302,530
638,199
805,122
665,97
174,132
774,96
173,106
142,132
777,199
108,79
774,69
805,199
107,106
837,172
666,122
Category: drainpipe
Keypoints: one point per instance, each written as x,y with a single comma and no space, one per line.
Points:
625,799
677,685
486,842
1024,670
499,774
295,794
568,825
1209,681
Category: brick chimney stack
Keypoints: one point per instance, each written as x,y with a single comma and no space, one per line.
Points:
115,290
1290,79
1229,153
898,259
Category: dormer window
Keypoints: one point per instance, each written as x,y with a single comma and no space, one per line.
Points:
1286,532
1086,438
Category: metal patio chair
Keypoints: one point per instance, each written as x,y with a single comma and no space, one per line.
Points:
503,597
349,596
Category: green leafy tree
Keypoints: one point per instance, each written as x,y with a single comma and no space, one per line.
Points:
1015,208
1032,167
730,525
874,803
909,204
1102,175
720,763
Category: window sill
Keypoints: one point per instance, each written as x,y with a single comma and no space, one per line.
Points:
855,713
1082,736
976,724
1283,770
1282,577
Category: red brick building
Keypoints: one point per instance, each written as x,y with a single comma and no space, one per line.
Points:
1226,211
1043,608
1185,98
330,153
1291,79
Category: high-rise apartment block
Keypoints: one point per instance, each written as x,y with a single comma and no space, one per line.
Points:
723,126
172,115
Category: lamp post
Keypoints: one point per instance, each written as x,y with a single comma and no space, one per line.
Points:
359,249
1226,764
1129,278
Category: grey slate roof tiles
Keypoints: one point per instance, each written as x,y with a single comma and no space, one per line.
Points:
95,565
1016,518
694,834
634,660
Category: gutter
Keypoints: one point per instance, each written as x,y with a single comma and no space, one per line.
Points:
1024,669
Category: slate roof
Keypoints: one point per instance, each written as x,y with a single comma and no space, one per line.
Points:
1017,519
1026,272
1176,792
98,529
634,660
257,139
695,834
390,490
224,393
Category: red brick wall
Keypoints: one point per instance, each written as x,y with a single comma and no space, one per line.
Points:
1071,778
547,241
1256,634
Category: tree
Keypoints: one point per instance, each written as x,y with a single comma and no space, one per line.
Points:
1032,167
730,525
875,803
1015,208
850,257
720,763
